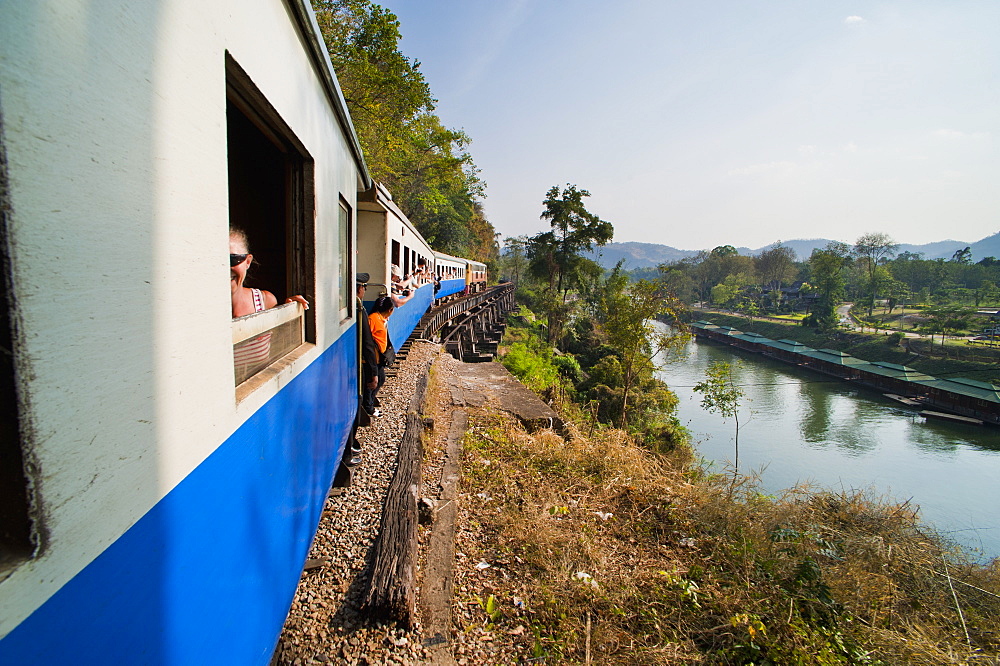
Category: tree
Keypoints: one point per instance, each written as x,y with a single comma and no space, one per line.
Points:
678,281
721,394
514,259
948,319
871,249
725,251
987,292
827,269
719,265
730,291
425,165
557,253
626,312
963,256
775,265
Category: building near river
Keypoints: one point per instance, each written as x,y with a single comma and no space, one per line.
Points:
964,397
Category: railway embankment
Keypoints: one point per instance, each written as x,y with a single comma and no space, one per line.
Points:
581,546
328,621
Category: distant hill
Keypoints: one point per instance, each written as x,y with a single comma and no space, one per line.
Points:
646,255
940,250
987,247
637,255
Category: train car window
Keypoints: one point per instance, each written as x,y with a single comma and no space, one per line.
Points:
395,253
406,261
16,532
346,283
271,197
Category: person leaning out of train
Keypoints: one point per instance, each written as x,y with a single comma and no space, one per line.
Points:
368,351
381,311
245,299
401,288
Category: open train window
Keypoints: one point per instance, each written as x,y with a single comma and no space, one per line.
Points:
16,532
345,225
271,198
395,252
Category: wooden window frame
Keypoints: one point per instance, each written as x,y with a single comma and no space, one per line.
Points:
299,224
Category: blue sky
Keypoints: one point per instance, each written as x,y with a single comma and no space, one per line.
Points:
700,123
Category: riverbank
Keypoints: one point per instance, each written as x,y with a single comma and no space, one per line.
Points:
870,347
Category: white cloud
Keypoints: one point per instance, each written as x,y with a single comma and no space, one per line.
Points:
851,147
854,20
762,168
949,134
807,150
958,135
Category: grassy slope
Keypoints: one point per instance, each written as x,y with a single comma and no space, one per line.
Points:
688,569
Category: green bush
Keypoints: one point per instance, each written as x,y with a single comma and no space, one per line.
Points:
568,367
535,370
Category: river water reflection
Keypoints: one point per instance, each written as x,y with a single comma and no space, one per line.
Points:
801,426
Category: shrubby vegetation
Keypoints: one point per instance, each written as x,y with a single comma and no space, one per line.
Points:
601,551
600,336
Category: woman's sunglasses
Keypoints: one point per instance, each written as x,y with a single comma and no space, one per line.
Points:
237,259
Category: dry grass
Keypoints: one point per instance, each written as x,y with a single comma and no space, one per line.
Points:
690,570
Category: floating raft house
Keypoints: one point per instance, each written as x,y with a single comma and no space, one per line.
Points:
965,397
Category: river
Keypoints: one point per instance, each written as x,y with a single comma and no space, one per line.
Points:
800,426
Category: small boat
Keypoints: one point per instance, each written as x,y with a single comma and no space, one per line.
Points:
909,402
951,417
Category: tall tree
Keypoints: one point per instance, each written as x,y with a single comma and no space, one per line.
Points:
426,166
719,265
557,253
514,258
626,312
871,249
963,256
826,274
775,265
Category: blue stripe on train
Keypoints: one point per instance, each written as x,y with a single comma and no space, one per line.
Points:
405,318
449,287
208,574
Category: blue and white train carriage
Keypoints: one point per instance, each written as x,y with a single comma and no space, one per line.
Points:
155,506
387,238
451,272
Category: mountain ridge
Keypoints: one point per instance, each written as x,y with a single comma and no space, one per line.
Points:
647,255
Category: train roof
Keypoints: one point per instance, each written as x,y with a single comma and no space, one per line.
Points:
445,255
378,199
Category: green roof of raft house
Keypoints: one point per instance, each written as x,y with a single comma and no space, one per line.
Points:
967,397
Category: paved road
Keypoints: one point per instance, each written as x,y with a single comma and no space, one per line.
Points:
844,314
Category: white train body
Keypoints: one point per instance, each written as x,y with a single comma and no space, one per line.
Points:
451,272
171,511
386,237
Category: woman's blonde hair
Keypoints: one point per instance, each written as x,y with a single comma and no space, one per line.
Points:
240,236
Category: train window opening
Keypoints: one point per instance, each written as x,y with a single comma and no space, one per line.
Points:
17,534
345,279
395,253
271,198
